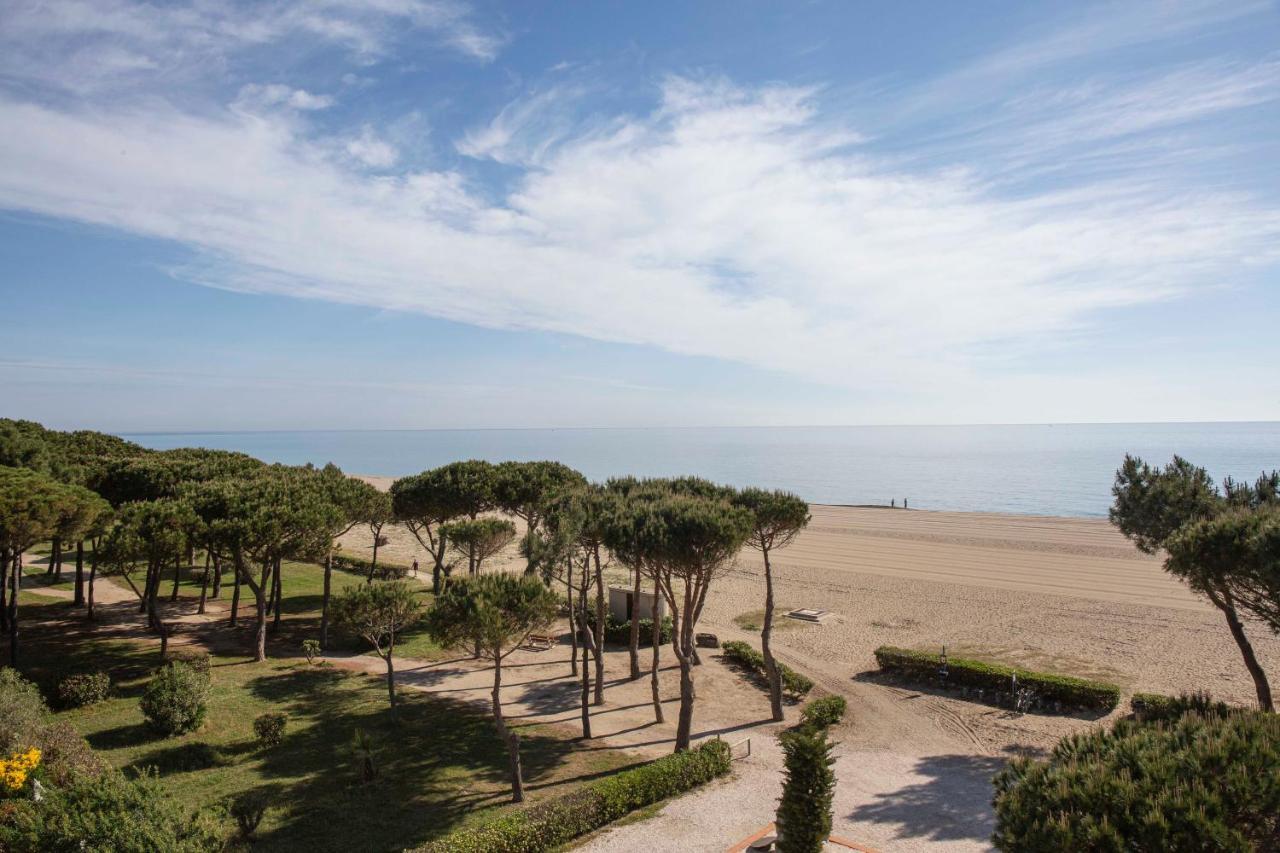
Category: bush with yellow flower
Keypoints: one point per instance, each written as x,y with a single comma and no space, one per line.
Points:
17,770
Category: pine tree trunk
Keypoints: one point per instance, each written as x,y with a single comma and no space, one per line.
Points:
766,634
235,593
177,576
55,559
204,585
79,597
574,628
4,589
324,604
217,577
1260,684
391,677
277,593
15,586
511,739
586,674
599,631
634,644
654,687
260,607
93,576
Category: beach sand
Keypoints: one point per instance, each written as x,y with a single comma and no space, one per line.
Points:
1067,594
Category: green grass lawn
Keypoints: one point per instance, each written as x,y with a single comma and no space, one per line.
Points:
440,763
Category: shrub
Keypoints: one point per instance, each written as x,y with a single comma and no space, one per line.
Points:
795,685
548,824
311,650
823,713
1154,707
108,813
269,727
174,701
961,672
1195,783
76,691
357,565
804,812
25,722
619,633
197,659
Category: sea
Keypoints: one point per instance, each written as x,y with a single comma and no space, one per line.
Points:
1046,469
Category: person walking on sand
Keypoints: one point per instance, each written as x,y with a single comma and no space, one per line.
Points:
415,567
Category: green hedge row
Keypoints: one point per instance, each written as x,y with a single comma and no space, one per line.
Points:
551,823
619,633
794,684
961,672
385,571
823,713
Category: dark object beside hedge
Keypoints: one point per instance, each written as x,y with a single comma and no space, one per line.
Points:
1195,783
551,823
962,672
706,641
794,684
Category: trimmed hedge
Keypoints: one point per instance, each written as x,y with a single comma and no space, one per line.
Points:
1155,707
385,571
823,713
962,672
794,684
619,633
551,823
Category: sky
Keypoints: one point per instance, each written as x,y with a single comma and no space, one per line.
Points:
437,213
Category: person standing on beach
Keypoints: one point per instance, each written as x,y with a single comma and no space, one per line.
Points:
415,567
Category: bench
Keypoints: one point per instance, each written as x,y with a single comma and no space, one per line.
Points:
539,642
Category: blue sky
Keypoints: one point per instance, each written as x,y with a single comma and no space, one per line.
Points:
427,213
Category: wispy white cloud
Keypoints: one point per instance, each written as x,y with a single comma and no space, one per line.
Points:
88,46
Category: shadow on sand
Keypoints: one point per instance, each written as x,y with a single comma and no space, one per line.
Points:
953,804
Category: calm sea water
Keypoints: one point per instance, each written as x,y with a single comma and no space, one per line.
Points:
1039,470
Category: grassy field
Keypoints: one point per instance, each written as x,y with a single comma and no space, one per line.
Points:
440,764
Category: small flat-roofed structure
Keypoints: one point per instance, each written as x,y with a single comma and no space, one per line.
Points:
621,604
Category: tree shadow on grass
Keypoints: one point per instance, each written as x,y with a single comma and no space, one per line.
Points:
438,762
123,737
953,804
182,758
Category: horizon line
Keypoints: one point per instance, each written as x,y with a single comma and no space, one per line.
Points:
124,433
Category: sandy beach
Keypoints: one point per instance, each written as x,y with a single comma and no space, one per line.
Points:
1067,594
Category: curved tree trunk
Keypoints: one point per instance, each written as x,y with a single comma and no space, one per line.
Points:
766,634
511,739
1260,683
